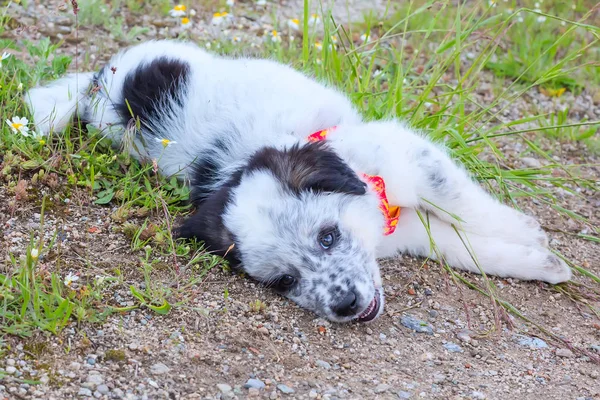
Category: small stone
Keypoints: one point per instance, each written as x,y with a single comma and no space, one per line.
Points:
159,369
428,292
95,379
564,353
531,342
477,395
453,347
416,324
464,335
254,383
133,346
253,392
404,395
439,378
323,364
11,370
103,389
223,387
426,357
531,162
10,362
381,388
84,392
285,389
313,394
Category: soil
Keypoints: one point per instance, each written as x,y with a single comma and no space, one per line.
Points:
218,346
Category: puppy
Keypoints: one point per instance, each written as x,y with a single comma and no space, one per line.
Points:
290,184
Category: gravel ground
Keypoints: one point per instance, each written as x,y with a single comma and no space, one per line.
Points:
436,339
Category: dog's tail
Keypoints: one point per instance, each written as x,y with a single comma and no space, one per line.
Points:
54,106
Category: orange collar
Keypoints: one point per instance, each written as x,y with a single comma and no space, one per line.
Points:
390,213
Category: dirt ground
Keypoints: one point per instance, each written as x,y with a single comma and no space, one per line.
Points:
217,347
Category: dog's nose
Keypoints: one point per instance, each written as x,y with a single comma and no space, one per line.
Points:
347,305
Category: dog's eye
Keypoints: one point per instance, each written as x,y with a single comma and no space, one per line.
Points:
287,281
327,238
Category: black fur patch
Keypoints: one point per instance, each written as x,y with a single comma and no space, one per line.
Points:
207,223
206,171
150,85
312,166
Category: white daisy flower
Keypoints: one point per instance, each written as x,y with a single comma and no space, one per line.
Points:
261,3
70,278
19,125
186,23
274,36
319,46
230,3
219,18
5,55
492,3
541,18
165,142
314,19
293,24
236,39
377,73
178,11
34,254
365,37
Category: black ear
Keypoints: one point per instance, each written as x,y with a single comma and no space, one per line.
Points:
207,225
312,166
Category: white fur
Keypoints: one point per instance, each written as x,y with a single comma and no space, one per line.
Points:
268,104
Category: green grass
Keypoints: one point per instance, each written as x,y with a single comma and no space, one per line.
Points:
429,58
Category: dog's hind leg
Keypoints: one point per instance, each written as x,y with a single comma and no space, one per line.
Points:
420,175
423,234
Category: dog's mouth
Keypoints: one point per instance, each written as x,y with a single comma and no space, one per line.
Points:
373,309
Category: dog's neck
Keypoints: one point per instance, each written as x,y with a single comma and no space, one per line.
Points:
391,213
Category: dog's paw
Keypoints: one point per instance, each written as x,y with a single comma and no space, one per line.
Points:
554,270
532,229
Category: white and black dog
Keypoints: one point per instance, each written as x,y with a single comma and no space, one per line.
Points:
307,215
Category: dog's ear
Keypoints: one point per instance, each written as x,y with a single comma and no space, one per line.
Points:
312,166
207,225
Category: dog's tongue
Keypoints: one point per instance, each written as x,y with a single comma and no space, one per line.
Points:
371,312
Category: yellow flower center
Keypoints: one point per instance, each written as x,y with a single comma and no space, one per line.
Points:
274,33
165,142
42,142
184,21
17,125
295,21
179,7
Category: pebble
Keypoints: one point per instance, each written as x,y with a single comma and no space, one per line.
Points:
381,388
159,369
10,362
84,392
404,395
254,383
95,379
453,347
11,370
531,162
323,364
103,389
223,387
416,325
285,389
564,353
439,378
464,335
534,343
313,394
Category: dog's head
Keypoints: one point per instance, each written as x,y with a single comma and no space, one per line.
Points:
302,222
